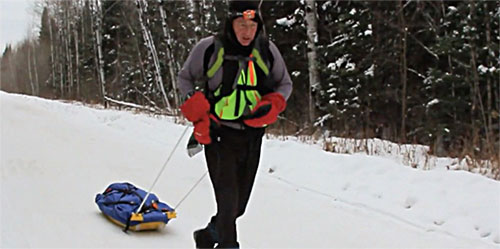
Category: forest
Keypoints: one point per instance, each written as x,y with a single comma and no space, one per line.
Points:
411,72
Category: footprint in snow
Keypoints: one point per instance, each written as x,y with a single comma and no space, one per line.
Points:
439,222
346,186
484,234
497,239
271,170
410,202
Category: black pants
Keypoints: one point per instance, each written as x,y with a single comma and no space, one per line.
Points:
232,160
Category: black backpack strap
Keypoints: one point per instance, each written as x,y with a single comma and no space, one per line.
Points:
127,225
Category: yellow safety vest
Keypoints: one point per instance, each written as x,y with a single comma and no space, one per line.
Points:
244,96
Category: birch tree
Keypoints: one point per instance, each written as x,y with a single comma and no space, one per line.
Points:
197,17
32,84
52,53
142,7
67,22
97,26
170,58
312,39
403,69
77,63
35,68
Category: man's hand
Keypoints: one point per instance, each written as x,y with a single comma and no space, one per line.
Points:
196,107
197,110
266,111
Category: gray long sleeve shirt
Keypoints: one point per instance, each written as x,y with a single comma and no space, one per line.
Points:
192,71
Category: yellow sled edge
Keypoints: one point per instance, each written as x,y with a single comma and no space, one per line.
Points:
145,226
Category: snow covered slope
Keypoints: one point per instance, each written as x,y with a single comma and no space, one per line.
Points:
55,157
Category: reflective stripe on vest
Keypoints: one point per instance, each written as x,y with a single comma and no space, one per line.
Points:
242,99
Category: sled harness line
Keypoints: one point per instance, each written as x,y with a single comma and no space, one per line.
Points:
191,190
136,215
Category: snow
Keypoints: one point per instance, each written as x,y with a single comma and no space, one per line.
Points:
370,71
285,21
338,40
349,66
483,69
55,157
452,8
326,5
432,102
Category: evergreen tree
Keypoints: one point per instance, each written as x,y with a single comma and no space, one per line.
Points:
417,71
347,66
7,79
284,21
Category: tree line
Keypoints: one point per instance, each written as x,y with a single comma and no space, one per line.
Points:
422,72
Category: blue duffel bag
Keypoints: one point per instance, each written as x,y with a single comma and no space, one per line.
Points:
120,201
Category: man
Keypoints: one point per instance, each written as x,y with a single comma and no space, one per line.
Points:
246,85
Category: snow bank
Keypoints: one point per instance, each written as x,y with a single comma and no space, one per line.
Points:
56,156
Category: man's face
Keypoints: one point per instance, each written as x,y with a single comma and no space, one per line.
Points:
244,30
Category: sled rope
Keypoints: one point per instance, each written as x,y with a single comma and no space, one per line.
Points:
191,190
162,169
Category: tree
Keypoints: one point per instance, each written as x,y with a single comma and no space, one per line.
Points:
142,8
418,71
7,76
312,39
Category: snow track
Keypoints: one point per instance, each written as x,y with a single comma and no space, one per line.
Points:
55,157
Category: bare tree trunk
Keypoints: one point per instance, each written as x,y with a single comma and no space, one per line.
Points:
489,99
93,31
52,54
29,71
84,7
139,54
403,70
474,133
77,64
142,5
59,60
170,58
67,42
196,11
97,14
35,67
450,66
312,39
375,23
476,91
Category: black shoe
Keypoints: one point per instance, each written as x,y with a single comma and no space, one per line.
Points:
203,239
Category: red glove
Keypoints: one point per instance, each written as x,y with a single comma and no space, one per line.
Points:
202,130
197,110
196,107
267,110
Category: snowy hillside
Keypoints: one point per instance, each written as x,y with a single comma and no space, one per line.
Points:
55,157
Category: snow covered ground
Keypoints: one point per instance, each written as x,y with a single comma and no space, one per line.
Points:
55,157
